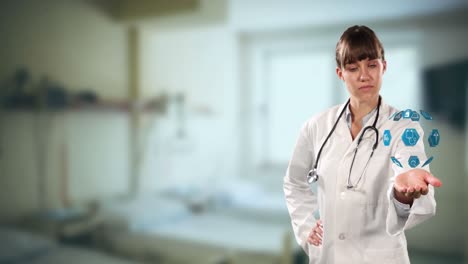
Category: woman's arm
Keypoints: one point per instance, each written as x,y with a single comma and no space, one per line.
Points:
413,187
300,200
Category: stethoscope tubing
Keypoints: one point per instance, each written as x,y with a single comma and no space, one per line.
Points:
313,176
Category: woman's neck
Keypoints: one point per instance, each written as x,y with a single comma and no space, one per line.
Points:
359,109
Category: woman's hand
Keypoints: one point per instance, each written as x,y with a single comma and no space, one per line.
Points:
316,234
412,184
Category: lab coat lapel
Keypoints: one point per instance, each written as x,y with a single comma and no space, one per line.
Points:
342,129
345,132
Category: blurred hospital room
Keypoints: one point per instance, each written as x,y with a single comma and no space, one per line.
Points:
156,131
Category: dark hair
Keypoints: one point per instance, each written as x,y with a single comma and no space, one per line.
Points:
358,43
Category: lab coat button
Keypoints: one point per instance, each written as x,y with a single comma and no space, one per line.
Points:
342,195
342,236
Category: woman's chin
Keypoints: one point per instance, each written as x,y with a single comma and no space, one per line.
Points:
367,97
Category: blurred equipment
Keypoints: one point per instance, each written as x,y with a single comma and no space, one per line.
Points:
17,90
445,91
51,95
21,93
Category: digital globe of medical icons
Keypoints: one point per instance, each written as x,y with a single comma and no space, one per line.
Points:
410,137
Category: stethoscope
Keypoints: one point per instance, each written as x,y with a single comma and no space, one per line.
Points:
313,176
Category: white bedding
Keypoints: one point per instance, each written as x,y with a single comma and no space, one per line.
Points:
225,231
232,229
141,212
207,238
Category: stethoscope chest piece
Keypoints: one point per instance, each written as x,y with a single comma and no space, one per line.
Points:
312,176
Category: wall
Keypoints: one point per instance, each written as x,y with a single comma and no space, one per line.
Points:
196,61
53,160
74,45
68,41
19,181
264,15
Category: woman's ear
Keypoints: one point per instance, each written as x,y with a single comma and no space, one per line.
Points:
384,64
339,72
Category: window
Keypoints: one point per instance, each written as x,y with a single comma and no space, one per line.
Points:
300,84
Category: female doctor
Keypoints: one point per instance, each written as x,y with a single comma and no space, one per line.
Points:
365,202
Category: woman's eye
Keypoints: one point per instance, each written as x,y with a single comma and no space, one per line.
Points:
352,69
373,65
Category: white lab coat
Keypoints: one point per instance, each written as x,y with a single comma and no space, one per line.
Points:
360,225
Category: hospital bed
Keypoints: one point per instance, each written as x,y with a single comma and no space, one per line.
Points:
20,247
167,230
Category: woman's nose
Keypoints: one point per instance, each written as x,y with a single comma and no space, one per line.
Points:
364,75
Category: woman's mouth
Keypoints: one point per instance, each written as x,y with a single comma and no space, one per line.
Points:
366,87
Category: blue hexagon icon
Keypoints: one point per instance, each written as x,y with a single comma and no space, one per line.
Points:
426,115
413,161
415,116
407,113
398,116
394,160
429,160
410,137
434,138
387,137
